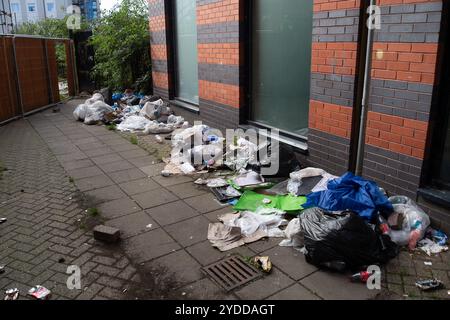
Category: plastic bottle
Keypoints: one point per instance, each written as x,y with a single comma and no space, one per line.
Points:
414,237
362,276
383,225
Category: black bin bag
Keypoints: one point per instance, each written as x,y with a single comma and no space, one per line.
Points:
343,241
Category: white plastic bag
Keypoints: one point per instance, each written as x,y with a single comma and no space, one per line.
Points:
95,98
156,127
152,110
293,235
80,112
415,221
133,123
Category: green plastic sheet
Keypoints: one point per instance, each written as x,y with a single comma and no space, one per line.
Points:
250,201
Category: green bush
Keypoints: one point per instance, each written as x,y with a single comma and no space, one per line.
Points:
121,41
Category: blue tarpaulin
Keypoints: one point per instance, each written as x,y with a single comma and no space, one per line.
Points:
354,193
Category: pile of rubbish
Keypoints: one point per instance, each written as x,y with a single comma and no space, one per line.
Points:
131,113
338,223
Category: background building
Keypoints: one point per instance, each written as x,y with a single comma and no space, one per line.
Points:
6,19
36,10
299,66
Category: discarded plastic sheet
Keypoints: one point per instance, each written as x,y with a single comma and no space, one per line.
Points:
224,194
133,123
12,294
250,178
251,201
251,223
354,193
3,220
216,183
430,247
429,285
293,235
263,263
437,236
299,178
187,168
2,269
428,263
39,292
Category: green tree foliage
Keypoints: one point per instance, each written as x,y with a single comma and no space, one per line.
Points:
121,43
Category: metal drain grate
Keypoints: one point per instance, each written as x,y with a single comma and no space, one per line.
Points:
231,272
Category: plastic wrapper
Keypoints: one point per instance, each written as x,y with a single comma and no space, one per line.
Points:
344,240
133,123
152,110
415,222
250,223
80,112
293,235
156,127
95,98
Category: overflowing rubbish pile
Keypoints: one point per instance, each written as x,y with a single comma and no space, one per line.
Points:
131,113
339,223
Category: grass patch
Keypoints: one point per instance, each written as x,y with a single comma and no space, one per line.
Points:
134,139
111,127
93,212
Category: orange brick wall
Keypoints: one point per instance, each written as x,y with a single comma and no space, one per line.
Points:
412,62
336,58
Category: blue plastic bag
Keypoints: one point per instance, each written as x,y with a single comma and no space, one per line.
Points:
354,193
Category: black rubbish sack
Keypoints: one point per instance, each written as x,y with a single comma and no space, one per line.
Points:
343,241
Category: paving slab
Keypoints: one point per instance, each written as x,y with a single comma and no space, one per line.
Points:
116,166
141,162
104,159
290,262
179,266
133,224
153,170
85,172
107,193
118,208
205,254
126,175
187,190
205,289
154,198
95,182
265,287
150,245
172,213
139,186
333,286
205,203
296,292
189,232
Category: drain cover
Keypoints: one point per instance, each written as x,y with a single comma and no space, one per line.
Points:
231,272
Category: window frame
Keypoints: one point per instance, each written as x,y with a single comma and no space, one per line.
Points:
247,117
34,6
173,65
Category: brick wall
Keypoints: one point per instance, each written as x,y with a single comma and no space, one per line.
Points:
403,71
220,58
159,47
334,56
